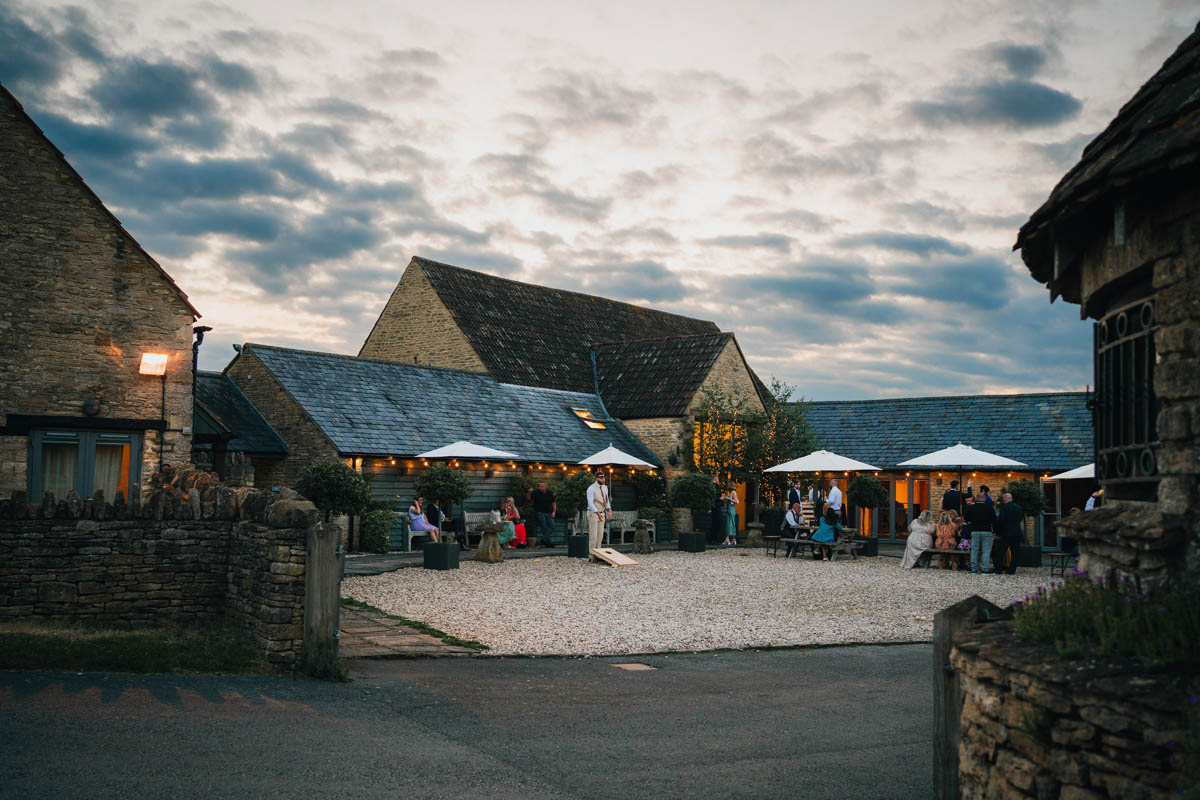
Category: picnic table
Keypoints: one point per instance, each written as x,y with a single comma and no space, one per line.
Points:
844,544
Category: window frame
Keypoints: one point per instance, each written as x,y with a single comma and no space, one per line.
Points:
86,442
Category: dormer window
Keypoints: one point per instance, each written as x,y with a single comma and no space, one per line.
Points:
588,419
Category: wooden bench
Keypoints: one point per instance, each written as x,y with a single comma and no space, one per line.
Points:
961,556
472,522
620,524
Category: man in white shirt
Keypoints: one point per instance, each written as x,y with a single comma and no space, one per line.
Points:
1092,501
598,508
834,500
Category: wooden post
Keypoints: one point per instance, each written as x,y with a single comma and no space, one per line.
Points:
322,583
947,691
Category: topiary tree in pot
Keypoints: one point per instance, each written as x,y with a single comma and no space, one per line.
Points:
694,491
571,497
867,492
334,488
441,482
1029,496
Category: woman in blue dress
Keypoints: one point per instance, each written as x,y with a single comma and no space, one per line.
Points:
827,532
731,501
417,521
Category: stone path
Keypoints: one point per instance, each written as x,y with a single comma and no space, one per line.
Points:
369,634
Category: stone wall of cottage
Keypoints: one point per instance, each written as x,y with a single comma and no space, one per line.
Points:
1157,540
82,302
663,436
730,376
416,327
307,444
1034,726
194,550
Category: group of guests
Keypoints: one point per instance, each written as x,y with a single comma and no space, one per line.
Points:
434,522
973,516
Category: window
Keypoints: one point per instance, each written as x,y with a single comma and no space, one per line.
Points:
84,462
1125,408
588,419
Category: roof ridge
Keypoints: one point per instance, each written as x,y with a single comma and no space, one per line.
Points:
944,397
441,264
182,295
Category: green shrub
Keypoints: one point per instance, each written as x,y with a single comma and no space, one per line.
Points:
377,530
1028,496
571,494
651,489
695,491
334,488
441,482
650,512
866,492
1110,616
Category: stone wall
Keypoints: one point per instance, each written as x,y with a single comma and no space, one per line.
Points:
1036,726
663,436
82,302
415,324
730,376
306,443
194,550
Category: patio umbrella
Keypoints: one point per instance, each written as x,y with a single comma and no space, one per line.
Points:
611,455
468,450
1086,471
959,457
822,461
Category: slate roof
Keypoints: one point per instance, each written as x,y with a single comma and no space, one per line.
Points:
538,336
66,165
1046,431
656,377
371,407
217,396
1155,134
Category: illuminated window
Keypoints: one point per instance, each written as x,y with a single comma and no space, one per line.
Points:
84,462
588,419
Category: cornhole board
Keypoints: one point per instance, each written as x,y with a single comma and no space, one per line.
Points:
610,556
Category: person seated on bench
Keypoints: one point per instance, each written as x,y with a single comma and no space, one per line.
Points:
920,539
417,522
793,523
512,517
947,537
827,532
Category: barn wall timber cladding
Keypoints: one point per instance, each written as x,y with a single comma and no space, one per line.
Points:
1035,726
209,552
80,302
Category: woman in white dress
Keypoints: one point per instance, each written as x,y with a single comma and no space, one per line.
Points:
920,539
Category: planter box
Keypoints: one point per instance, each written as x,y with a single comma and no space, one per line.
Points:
870,545
441,555
1028,556
692,542
577,547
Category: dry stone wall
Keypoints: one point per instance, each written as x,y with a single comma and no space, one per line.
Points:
194,550
1034,726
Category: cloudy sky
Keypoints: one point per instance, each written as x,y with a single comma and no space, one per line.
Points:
838,183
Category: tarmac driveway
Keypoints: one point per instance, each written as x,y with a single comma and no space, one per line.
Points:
838,723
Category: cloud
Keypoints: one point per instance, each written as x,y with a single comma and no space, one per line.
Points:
980,282
796,219
613,275
1009,103
333,234
85,141
917,244
769,241
142,91
471,258
256,223
177,178
580,100
1022,60
1065,154
343,109
769,154
230,75
30,58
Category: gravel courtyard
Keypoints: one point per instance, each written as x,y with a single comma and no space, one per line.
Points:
677,601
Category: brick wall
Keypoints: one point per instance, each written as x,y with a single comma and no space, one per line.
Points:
1036,726
82,302
415,325
307,444
212,551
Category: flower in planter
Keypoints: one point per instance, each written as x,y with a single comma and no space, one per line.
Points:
965,544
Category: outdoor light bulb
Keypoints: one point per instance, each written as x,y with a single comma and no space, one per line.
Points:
153,364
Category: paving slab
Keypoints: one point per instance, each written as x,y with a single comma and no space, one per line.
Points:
370,634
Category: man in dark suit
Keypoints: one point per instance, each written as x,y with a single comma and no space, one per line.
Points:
952,499
794,495
1011,534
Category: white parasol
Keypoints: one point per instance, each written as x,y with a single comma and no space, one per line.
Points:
467,450
823,461
1086,471
611,455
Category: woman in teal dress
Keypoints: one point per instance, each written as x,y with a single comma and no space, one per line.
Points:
731,497
827,532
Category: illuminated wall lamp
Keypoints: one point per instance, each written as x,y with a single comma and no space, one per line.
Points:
156,364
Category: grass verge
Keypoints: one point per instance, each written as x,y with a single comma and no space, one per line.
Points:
213,647
471,644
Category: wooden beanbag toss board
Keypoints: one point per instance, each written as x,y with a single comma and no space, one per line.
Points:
610,556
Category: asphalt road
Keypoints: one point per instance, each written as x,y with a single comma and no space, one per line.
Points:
838,723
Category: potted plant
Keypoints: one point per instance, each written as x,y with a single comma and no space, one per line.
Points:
696,492
441,482
1032,501
866,492
571,498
